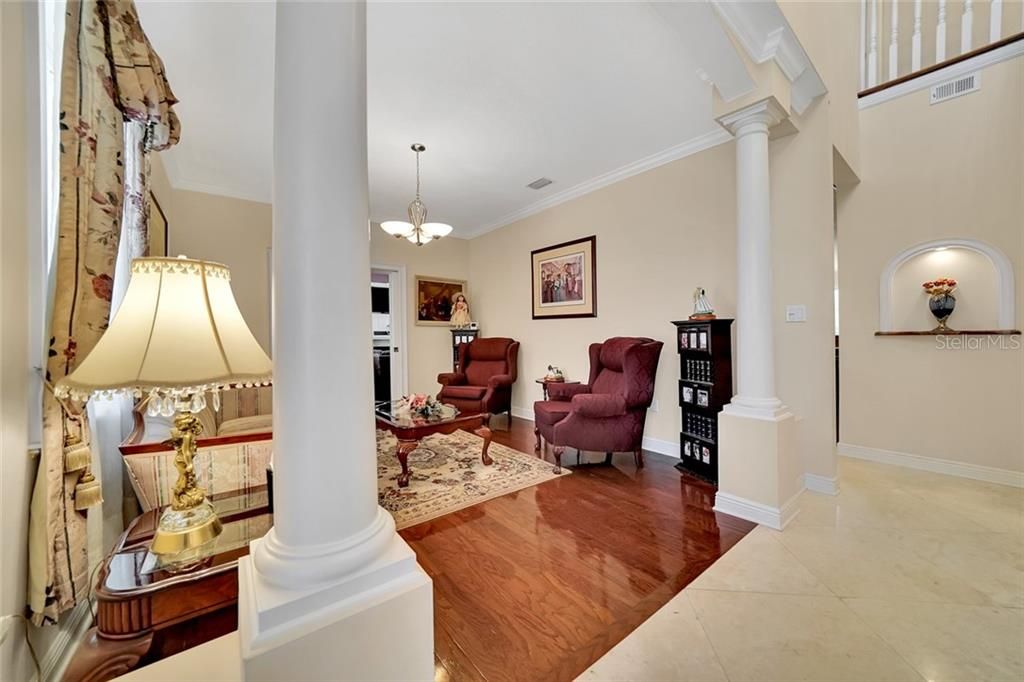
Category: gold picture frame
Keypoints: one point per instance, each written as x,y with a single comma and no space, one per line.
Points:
435,299
564,280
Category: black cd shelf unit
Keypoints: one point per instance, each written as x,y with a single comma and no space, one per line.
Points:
705,386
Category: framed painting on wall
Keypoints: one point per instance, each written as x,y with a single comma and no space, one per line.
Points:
435,299
565,280
158,233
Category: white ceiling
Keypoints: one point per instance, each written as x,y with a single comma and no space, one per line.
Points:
501,94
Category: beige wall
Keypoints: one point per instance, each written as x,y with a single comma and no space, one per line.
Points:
830,34
428,348
232,231
659,235
17,467
929,172
802,224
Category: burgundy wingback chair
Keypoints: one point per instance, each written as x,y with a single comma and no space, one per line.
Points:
606,414
488,368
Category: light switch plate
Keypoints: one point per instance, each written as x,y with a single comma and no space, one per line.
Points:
796,313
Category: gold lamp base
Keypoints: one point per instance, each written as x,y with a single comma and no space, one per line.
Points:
190,522
179,534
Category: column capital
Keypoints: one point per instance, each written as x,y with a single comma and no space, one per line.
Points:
761,115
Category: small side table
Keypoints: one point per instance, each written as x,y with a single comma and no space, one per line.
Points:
544,384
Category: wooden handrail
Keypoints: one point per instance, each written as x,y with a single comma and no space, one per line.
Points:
1009,40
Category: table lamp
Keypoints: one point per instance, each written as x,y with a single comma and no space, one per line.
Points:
177,337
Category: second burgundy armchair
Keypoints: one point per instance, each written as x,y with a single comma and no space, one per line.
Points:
607,414
484,384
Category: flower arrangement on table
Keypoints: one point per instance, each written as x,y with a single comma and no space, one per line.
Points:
424,406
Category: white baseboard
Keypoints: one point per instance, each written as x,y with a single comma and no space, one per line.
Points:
933,464
822,484
58,655
773,517
662,447
522,413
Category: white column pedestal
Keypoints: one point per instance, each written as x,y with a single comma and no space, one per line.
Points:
760,476
376,624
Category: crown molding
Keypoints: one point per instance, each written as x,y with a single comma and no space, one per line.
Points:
764,34
679,151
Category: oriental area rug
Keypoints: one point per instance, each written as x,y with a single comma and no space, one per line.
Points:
447,475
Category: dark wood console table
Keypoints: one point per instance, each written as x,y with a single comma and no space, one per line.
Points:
145,613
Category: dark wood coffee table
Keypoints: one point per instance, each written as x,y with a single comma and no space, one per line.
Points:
410,431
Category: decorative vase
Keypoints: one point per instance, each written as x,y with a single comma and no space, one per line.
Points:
941,306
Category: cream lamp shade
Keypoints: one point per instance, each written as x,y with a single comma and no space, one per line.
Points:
177,336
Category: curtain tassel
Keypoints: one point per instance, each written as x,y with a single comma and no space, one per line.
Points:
77,455
88,492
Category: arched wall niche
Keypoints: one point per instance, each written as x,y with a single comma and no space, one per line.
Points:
1001,278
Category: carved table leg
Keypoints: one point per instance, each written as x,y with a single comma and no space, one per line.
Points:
485,433
404,448
98,659
536,432
558,450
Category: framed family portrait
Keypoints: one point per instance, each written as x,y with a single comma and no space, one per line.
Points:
435,300
158,236
565,280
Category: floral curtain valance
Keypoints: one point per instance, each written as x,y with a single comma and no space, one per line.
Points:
110,76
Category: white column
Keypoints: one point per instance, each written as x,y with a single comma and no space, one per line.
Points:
915,41
967,27
755,361
327,569
894,41
322,364
940,34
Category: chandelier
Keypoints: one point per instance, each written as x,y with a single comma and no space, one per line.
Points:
416,231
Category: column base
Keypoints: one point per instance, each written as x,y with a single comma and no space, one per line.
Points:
760,476
377,623
757,408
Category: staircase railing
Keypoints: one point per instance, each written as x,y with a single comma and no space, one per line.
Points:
901,37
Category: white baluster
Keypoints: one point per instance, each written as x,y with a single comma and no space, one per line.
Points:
940,34
967,26
915,43
995,26
894,50
873,46
863,56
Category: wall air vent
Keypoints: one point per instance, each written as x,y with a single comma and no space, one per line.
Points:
540,183
956,87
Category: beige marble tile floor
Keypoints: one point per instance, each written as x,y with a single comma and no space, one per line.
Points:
905,575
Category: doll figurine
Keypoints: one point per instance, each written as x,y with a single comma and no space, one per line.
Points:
460,312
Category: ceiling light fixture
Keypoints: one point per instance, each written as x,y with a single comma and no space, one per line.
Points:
416,231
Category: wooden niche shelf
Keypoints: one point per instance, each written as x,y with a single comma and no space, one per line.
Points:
954,332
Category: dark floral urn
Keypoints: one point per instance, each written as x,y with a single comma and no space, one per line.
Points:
942,306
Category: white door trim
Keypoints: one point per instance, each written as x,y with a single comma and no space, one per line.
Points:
399,322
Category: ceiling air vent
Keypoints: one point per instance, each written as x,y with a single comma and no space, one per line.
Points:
956,87
540,183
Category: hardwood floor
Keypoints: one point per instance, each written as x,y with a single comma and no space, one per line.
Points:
540,583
